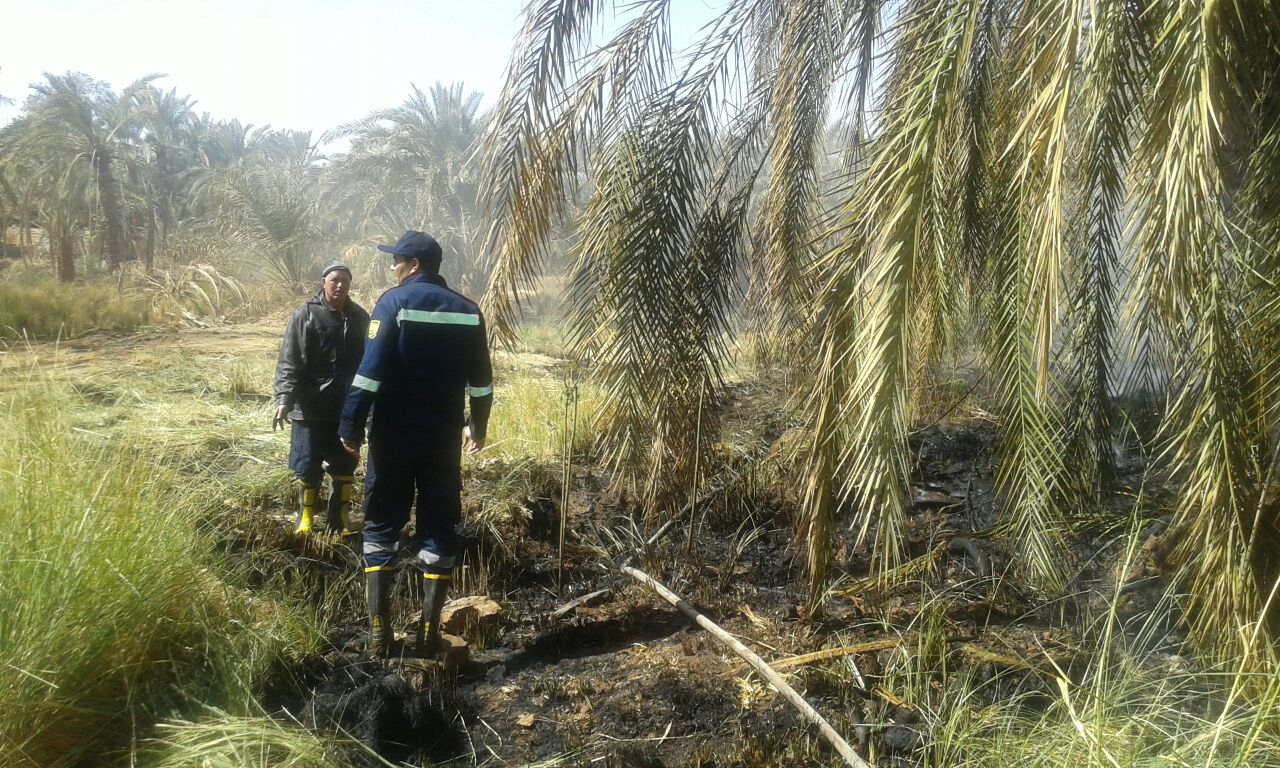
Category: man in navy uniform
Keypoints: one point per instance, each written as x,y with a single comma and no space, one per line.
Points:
427,352
321,350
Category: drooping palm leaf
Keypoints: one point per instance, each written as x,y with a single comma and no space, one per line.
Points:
880,251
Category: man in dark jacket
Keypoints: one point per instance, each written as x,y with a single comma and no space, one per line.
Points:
427,352
322,346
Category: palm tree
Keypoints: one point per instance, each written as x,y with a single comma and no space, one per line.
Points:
407,170
268,206
6,190
169,133
46,196
1090,186
88,128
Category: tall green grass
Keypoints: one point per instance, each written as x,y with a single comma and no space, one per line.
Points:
116,610
190,295
50,309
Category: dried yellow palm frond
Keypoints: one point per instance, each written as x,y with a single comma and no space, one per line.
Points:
529,154
911,569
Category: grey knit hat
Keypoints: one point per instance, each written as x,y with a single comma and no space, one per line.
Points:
334,266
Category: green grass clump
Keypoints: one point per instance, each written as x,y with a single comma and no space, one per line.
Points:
226,741
117,611
50,309
534,410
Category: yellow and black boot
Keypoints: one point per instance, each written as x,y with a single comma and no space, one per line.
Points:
435,583
339,517
306,515
377,582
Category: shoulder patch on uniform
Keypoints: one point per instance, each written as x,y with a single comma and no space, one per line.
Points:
373,328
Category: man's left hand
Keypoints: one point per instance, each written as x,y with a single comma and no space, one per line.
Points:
354,450
471,445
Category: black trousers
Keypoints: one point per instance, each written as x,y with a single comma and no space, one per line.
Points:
314,447
395,477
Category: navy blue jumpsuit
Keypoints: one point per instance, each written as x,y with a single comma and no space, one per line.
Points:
426,353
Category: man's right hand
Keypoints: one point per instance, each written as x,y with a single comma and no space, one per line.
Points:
471,445
279,421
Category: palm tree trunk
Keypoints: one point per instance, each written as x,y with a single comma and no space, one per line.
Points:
115,245
151,240
66,260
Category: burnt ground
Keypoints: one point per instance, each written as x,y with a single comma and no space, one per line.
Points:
628,680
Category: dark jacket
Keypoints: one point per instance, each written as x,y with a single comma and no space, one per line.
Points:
318,358
427,353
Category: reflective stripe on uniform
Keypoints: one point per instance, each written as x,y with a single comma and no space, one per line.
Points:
427,557
365,383
480,391
436,576
378,548
439,318
373,568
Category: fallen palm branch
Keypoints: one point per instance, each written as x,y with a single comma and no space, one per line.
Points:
980,655
755,661
836,653
974,652
912,569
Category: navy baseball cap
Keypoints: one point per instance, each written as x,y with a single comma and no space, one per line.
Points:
415,245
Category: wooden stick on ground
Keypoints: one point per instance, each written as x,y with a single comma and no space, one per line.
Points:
755,661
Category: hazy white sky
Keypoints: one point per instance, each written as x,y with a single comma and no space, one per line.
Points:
301,64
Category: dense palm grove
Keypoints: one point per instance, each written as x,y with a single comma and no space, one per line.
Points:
94,179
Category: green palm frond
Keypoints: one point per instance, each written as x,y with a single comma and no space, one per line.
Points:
525,172
859,36
650,292
1260,284
880,251
977,153
1110,93
789,214
1024,282
1180,223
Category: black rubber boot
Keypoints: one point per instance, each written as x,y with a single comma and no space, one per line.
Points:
435,583
339,517
309,501
378,583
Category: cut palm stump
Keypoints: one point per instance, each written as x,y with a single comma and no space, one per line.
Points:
756,662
